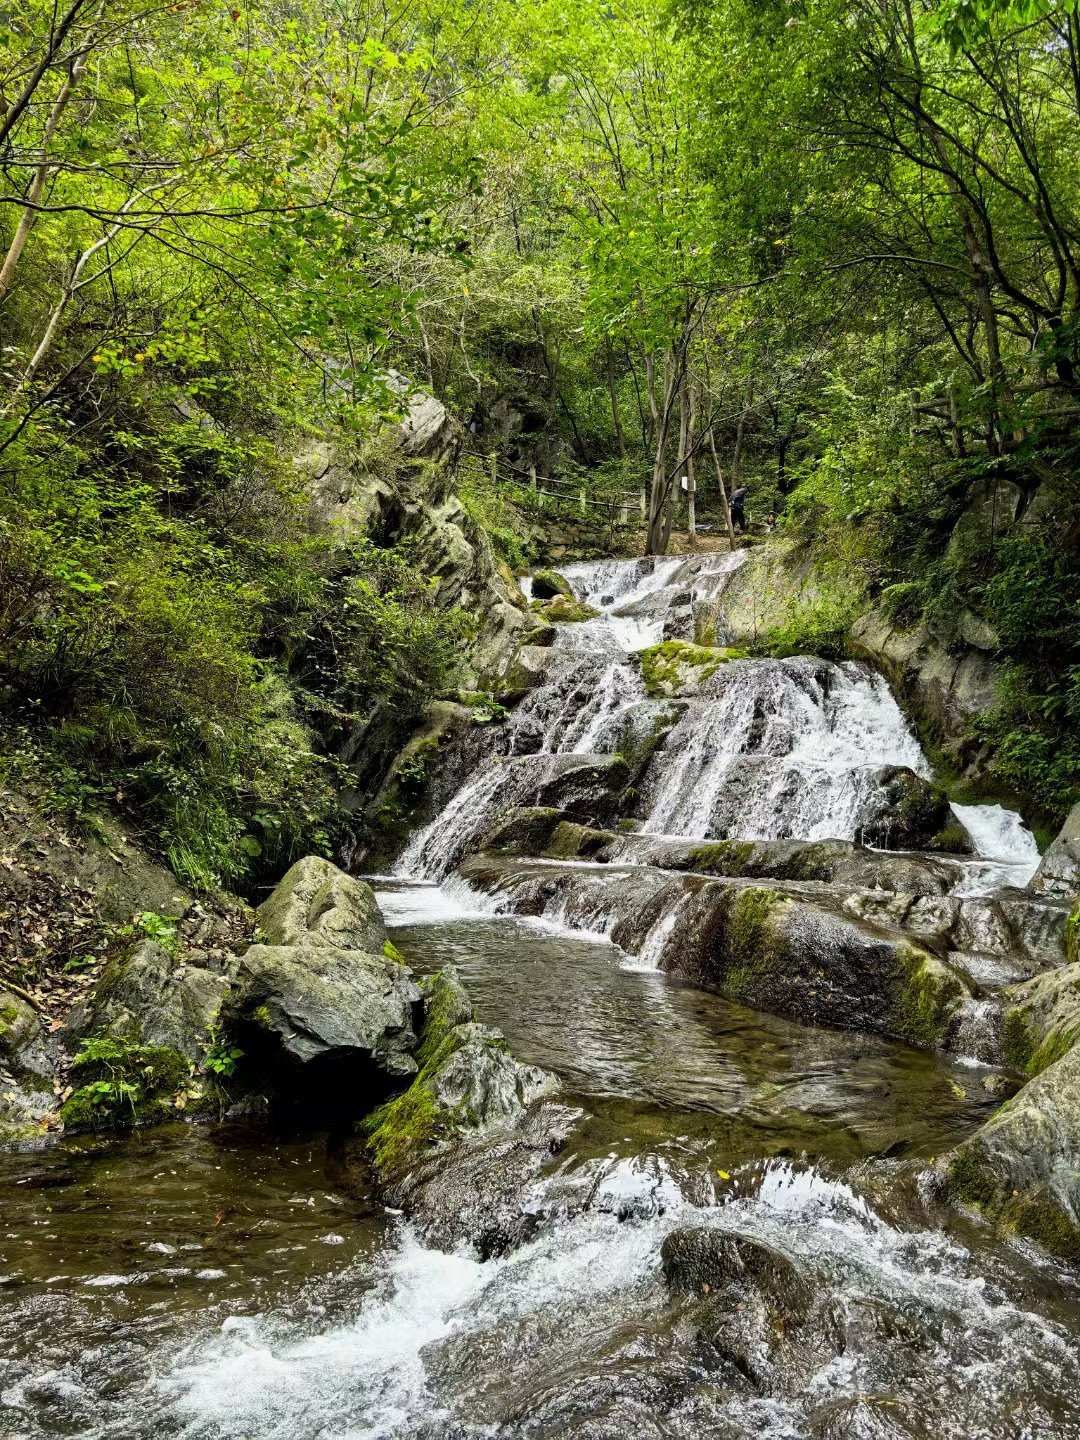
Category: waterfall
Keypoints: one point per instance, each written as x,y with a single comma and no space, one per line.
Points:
770,749
1008,853
780,749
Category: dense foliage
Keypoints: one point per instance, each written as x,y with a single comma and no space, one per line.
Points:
828,249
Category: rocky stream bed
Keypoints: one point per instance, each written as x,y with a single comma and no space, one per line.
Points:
654,1087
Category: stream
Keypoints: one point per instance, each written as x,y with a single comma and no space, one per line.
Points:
223,1281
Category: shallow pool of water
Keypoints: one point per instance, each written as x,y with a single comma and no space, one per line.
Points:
219,1282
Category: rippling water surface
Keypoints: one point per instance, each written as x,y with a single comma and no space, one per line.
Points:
211,1282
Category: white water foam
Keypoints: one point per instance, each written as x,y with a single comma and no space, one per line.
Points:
786,749
440,1332
1006,848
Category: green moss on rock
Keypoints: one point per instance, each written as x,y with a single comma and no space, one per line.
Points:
122,1085
752,941
971,1180
570,841
564,610
664,666
723,857
926,997
549,583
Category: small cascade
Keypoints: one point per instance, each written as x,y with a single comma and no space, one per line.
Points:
977,1032
1006,850
780,749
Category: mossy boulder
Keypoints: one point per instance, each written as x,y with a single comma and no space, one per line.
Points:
317,1005
525,831
547,584
26,1070
564,610
1042,1022
1022,1168
907,812
468,1083
146,997
1058,874
570,841
119,1085
315,903
681,668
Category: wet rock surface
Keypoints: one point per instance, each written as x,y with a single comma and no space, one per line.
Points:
1022,1168
316,1004
1059,870
458,1149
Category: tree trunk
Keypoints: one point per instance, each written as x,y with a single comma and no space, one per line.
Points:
723,491
691,476
609,359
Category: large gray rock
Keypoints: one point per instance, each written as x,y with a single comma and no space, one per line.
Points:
991,510
1023,1167
701,1259
947,689
315,1002
1043,1019
1059,870
26,1070
318,904
460,1147
148,997
906,812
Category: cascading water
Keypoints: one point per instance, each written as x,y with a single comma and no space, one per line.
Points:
780,749
770,749
300,1311
1007,850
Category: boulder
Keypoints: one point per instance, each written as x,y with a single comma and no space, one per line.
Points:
26,1070
1043,1019
946,689
315,903
525,831
460,1146
148,997
700,1260
315,1004
564,610
991,510
794,953
1022,1168
796,957
906,812
1059,870
547,584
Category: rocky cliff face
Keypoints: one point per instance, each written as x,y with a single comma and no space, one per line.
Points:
409,496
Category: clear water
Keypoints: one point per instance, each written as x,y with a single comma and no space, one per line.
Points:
214,1283
209,1282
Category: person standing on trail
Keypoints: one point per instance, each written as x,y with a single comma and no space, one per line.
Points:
738,511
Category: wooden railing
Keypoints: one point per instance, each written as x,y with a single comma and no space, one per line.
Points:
562,492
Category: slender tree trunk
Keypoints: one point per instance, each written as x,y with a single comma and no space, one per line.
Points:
609,360
659,494
723,491
691,475
13,114
740,431
37,186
